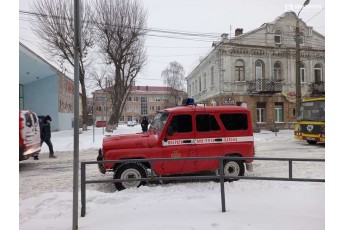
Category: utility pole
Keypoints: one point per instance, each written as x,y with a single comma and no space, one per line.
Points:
298,63
77,44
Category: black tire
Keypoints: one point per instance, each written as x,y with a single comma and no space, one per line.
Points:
233,168
312,142
130,170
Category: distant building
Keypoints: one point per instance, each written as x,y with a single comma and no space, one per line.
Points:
142,101
45,90
257,69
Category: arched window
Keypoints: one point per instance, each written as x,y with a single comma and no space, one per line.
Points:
259,70
239,70
277,72
318,73
277,37
302,72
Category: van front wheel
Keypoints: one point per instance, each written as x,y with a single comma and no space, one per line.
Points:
233,168
132,170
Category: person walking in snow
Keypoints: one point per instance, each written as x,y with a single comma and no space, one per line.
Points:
144,124
46,135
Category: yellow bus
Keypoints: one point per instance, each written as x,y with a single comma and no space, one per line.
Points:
310,122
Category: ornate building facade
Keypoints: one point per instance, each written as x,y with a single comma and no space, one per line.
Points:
257,69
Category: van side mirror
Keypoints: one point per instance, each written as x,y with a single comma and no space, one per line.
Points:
170,130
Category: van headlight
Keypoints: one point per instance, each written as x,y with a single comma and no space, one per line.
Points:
297,127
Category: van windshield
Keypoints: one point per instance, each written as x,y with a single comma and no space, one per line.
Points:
159,121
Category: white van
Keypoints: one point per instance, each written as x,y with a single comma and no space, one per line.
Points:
29,135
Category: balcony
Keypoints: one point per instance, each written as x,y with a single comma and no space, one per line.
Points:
317,88
263,86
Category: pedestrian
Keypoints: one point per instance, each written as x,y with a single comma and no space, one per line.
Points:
46,135
144,124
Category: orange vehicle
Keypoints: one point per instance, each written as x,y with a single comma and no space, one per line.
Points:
29,135
185,131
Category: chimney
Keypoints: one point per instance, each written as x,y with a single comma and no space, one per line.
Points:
238,31
224,37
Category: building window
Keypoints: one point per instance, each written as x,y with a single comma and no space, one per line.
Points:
318,73
204,80
277,37
212,76
259,70
129,99
129,108
261,112
302,72
122,118
301,38
158,108
199,84
278,107
136,98
143,105
152,108
129,118
239,70
277,72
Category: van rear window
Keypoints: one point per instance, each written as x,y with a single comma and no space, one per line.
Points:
236,121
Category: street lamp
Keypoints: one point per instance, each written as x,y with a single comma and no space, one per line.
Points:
298,76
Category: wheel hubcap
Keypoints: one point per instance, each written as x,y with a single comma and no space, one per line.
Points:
231,169
131,174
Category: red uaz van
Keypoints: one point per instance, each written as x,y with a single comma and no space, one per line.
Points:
186,131
29,135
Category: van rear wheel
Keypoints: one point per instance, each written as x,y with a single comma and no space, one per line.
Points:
131,170
233,168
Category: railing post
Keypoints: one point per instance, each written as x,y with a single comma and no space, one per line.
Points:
83,190
290,169
222,193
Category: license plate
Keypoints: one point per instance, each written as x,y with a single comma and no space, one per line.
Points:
310,138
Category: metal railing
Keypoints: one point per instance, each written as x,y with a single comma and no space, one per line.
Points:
220,177
265,86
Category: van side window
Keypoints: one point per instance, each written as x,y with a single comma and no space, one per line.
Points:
206,123
234,121
182,123
35,119
28,120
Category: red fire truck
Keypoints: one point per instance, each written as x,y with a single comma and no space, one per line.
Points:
185,131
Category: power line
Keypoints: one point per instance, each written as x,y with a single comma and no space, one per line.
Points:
316,14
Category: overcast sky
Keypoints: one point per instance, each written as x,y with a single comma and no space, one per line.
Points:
207,18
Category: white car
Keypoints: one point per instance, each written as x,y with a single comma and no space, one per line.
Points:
130,123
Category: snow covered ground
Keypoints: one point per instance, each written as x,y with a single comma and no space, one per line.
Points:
45,192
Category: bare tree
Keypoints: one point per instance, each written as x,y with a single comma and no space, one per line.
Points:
54,25
120,34
173,77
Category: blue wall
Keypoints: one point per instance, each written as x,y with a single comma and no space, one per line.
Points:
42,97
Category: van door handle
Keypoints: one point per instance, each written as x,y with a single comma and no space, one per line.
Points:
187,141
218,140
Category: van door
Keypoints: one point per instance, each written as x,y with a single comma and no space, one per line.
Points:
32,137
179,142
209,140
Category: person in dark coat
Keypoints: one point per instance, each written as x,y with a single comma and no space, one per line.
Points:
46,135
144,124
